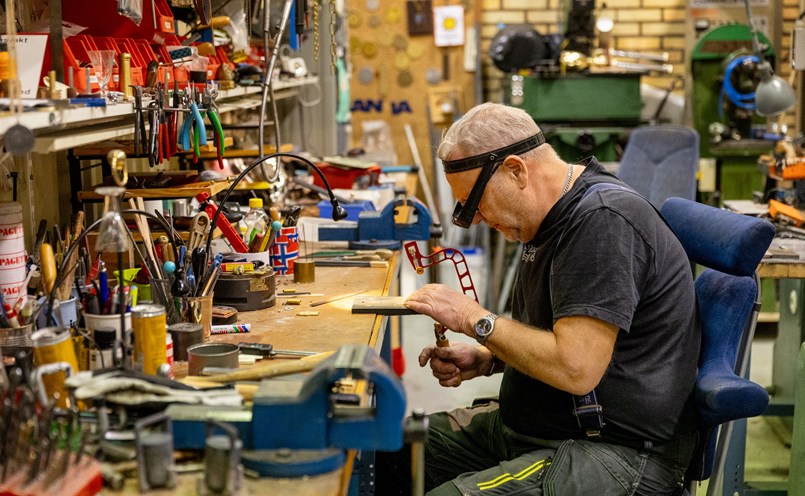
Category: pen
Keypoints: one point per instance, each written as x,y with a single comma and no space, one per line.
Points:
103,287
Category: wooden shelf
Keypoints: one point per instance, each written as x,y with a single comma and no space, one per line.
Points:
61,128
184,191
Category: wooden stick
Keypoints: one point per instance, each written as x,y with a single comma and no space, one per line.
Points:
69,265
272,369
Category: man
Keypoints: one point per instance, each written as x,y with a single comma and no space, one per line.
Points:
603,304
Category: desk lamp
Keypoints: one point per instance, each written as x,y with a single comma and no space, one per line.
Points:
773,95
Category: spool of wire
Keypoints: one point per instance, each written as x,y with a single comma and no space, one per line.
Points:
745,101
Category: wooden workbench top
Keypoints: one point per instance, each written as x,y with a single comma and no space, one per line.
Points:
334,326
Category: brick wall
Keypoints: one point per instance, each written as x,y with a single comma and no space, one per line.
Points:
640,25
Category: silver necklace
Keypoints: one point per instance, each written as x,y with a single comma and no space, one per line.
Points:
566,187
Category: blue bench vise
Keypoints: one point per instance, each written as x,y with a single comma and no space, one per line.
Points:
381,229
315,412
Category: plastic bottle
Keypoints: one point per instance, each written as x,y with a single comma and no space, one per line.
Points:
256,221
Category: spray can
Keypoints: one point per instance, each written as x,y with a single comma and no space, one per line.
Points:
150,327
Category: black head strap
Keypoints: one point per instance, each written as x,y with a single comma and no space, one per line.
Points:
493,156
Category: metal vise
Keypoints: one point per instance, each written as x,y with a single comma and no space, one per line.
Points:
384,226
322,410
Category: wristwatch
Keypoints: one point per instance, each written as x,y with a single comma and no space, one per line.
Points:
485,327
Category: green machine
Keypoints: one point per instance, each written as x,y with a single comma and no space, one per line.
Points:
715,54
582,114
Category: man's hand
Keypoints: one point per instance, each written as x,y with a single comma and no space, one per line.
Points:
456,311
456,363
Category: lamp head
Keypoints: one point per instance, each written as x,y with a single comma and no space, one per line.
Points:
773,94
339,212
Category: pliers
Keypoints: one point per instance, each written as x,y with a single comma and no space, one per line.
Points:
200,132
218,130
159,141
140,145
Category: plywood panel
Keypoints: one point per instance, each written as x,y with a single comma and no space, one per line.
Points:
381,47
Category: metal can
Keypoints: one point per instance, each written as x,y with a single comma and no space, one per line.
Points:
150,328
52,345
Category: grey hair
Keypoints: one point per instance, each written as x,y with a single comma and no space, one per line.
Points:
486,127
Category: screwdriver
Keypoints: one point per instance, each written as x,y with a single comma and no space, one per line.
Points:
48,265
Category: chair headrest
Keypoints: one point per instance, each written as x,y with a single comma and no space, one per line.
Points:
719,239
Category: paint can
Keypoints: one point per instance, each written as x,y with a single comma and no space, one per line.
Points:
211,355
12,255
185,335
52,345
150,329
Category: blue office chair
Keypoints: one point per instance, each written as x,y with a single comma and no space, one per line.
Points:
730,246
661,161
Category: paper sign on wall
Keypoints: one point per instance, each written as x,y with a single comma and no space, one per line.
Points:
448,25
30,57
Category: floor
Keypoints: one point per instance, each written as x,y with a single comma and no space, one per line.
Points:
767,435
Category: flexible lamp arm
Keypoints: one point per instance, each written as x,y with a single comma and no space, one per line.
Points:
755,38
339,212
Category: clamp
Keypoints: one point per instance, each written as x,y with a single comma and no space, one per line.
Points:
383,229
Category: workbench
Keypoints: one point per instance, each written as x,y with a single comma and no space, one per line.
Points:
333,327
785,262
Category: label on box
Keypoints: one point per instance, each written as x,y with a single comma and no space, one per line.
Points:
30,57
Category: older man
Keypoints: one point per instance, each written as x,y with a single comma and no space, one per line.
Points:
599,358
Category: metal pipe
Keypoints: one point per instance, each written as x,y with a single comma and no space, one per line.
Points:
656,57
268,83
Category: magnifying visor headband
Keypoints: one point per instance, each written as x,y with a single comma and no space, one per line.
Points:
490,161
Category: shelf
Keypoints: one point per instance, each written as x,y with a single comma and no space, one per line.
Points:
69,127
189,190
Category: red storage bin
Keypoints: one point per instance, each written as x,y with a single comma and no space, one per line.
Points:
101,19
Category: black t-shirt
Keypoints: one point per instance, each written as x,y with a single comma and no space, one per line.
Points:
611,257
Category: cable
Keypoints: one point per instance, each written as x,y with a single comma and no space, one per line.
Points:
339,212
741,100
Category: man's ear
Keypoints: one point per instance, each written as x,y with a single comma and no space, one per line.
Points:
516,166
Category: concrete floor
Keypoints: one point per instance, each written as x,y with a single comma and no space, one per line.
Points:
768,456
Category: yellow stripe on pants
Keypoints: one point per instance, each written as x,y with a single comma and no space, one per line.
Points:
509,477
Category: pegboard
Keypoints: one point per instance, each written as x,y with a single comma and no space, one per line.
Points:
400,77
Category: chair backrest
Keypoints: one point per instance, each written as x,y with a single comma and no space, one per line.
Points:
661,161
730,245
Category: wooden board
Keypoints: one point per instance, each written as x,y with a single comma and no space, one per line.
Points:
335,325
392,52
183,191
381,305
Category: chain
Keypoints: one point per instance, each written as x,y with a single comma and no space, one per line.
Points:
247,11
316,30
333,55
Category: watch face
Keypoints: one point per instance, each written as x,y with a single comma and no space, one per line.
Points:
483,326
